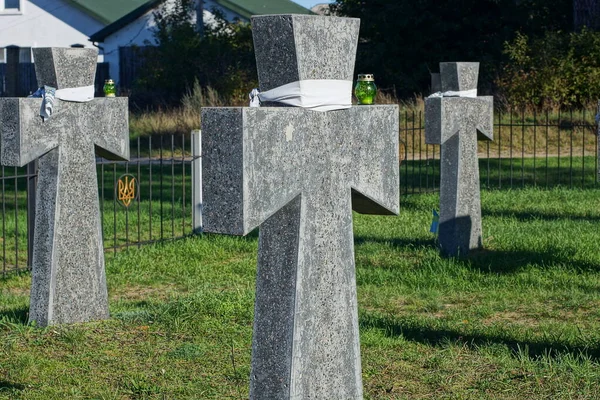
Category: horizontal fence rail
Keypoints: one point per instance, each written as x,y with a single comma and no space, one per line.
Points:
529,149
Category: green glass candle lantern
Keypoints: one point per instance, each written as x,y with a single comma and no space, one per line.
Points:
365,89
109,88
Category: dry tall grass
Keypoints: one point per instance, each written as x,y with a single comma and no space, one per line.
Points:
525,132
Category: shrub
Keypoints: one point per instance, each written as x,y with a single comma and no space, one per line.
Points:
557,70
222,57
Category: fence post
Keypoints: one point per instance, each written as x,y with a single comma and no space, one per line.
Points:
197,181
598,143
31,189
13,84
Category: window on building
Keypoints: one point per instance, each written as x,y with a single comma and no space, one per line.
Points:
2,55
10,5
25,55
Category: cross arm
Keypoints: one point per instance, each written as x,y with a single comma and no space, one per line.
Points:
22,138
251,165
446,116
374,160
108,121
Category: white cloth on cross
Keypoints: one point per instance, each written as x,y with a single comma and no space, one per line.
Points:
80,94
312,94
460,93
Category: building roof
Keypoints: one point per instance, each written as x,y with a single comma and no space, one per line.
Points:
245,8
107,11
248,8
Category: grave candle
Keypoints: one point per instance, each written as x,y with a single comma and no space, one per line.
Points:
365,89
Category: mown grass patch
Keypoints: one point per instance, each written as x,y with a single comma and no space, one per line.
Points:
518,319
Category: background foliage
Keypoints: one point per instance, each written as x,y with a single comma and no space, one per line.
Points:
221,58
403,40
528,51
557,69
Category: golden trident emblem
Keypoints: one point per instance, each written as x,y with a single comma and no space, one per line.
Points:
127,189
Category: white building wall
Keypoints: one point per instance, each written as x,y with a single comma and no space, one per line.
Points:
47,23
141,33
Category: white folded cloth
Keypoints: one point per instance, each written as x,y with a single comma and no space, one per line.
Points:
450,93
81,94
312,94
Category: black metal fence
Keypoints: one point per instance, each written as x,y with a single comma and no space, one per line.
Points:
162,208
543,150
529,149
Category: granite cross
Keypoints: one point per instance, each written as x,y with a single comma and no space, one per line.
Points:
456,123
298,174
68,278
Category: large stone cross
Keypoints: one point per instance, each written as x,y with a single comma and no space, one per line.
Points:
68,278
456,123
298,174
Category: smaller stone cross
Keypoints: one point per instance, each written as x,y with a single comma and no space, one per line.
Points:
68,278
456,123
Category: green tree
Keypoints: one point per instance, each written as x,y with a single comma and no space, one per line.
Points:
557,70
403,40
221,57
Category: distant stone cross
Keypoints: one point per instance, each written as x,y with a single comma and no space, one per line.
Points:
298,174
456,123
68,277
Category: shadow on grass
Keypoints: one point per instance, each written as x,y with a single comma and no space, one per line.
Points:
421,333
11,385
504,262
536,215
493,261
406,244
18,315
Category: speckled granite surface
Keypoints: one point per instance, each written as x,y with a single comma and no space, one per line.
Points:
68,277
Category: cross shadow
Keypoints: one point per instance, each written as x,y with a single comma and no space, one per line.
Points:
402,244
11,385
18,315
504,262
420,333
536,215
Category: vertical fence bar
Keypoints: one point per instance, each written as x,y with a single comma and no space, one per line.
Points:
183,168
547,166
114,209
559,146
31,189
3,223
426,167
197,181
150,185
172,185
522,148
161,164
406,152
420,153
487,144
534,148
597,150
139,194
571,150
127,214
583,132
102,198
499,150
16,220
511,148
413,151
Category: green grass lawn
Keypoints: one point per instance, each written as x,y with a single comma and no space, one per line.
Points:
518,320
